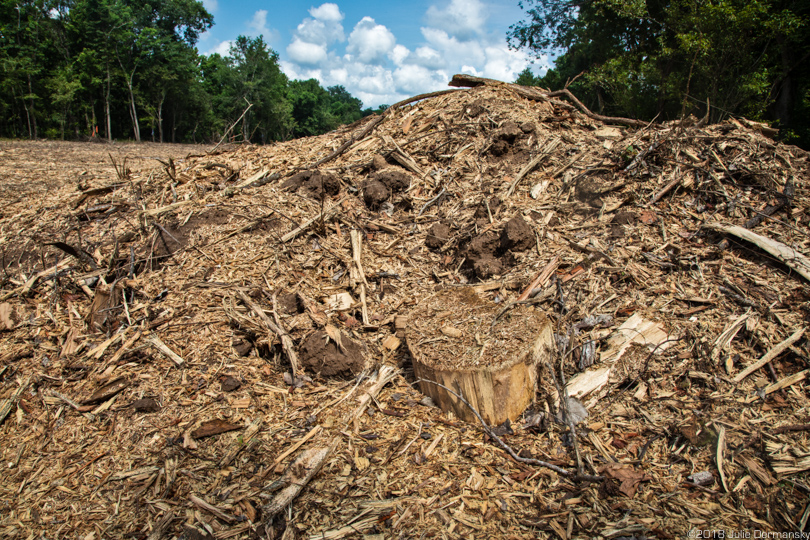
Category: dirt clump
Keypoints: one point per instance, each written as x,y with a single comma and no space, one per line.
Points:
147,405
375,193
509,132
528,127
378,163
517,235
320,354
230,384
393,179
499,148
289,304
476,108
314,184
438,234
624,218
482,255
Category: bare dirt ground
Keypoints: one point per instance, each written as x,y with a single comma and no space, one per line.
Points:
219,345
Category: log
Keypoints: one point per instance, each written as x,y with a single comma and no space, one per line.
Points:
495,367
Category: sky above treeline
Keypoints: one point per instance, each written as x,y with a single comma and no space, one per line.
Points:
381,52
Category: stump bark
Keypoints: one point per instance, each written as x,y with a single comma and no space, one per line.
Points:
495,367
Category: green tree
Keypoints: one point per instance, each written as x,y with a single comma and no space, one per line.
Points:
259,81
666,57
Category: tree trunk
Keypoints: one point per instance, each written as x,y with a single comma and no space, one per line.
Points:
160,115
33,113
133,110
107,119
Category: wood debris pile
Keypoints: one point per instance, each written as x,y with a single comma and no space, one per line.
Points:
205,349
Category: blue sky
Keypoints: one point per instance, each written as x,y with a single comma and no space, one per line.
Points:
381,52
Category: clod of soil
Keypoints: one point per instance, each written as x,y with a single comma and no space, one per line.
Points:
242,347
230,384
476,108
329,360
314,184
528,127
378,163
481,255
289,304
509,132
394,179
499,148
438,234
148,405
517,235
375,193
624,218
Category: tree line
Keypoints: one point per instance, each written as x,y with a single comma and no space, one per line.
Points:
125,69
667,59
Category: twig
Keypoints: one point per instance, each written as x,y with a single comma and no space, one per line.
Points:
308,223
7,404
509,450
432,201
231,128
562,393
358,276
770,355
541,278
286,340
529,167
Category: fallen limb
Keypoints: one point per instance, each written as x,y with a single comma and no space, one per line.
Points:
509,450
786,254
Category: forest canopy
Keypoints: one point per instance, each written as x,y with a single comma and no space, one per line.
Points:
667,59
125,69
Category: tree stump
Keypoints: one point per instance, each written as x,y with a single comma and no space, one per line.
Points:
453,342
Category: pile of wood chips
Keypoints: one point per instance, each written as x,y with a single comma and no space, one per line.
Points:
213,348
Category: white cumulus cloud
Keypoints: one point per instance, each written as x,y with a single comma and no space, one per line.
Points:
414,79
464,19
305,52
370,42
398,54
458,36
223,48
324,28
257,26
211,6
327,12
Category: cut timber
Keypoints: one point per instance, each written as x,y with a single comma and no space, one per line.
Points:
494,366
616,359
